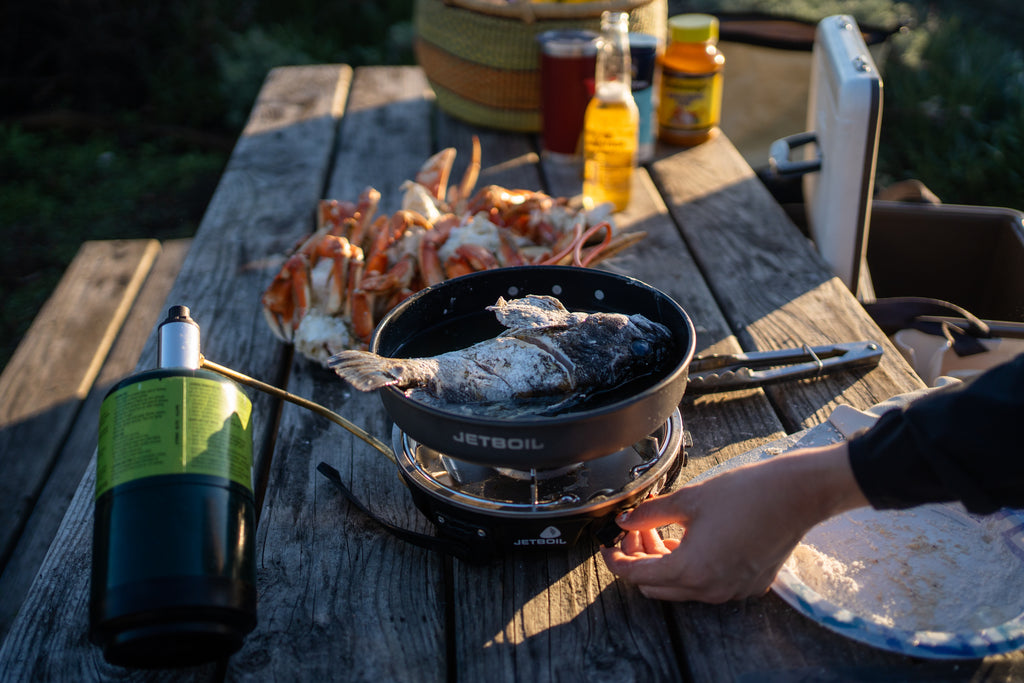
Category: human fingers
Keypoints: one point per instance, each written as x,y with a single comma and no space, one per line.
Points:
622,561
674,577
660,577
652,542
645,542
631,543
637,565
655,512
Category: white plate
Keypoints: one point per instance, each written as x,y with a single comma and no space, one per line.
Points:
933,582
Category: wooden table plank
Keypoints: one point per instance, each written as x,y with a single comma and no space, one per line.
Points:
337,593
266,196
383,139
722,212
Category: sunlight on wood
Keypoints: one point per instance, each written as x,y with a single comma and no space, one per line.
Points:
279,105
561,603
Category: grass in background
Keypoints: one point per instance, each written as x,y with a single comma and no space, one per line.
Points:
58,190
953,114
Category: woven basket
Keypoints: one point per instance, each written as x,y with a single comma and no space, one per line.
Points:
483,61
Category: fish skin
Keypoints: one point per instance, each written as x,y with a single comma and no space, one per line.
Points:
546,350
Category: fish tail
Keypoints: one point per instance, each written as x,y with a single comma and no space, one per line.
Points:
366,371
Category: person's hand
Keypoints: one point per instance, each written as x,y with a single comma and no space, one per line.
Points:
739,527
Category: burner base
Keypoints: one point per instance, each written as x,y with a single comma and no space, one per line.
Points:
493,511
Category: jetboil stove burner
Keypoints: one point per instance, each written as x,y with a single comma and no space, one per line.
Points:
485,511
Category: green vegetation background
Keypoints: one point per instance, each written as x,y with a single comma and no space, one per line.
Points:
117,117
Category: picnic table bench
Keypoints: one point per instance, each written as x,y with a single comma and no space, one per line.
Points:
340,599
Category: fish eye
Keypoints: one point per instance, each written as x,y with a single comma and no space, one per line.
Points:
640,347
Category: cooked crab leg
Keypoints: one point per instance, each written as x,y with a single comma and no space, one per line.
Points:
287,299
434,173
459,193
469,258
342,253
613,247
401,221
578,259
577,232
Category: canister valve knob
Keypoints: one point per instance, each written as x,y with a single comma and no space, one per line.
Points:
178,340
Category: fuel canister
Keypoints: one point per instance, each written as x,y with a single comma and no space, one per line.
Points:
173,573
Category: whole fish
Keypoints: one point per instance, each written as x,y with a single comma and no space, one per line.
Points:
547,359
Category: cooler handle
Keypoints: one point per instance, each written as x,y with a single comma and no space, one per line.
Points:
779,155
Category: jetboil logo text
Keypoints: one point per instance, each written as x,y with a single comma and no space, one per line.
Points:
499,442
550,536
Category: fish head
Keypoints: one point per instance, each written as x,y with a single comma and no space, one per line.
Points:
612,347
650,343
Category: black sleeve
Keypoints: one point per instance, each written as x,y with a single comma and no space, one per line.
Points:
962,443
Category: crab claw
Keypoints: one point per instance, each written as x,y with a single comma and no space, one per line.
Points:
461,192
331,214
398,276
286,300
469,258
418,198
433,175
362,315
342,254
347,219
366,209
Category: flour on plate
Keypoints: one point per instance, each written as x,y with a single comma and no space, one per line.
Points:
934,568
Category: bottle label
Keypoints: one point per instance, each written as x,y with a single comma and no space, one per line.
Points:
174,425
688,102
609,150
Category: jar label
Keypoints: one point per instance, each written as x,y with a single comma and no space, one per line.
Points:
689,103
174,425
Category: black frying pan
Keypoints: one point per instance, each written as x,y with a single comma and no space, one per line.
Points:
453,315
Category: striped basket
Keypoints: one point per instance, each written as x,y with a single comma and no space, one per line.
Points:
482,58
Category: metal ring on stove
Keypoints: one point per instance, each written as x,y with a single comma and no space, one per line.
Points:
406,450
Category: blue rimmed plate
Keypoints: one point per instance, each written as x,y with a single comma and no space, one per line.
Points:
933,582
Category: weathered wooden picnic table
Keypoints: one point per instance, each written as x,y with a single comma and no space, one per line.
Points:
341,599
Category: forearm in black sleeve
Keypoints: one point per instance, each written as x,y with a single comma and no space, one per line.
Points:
963,443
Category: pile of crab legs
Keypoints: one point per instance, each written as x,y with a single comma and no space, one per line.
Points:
369,263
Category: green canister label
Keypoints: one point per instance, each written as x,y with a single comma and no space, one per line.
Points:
174,425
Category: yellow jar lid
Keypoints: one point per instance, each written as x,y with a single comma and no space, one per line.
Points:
693,28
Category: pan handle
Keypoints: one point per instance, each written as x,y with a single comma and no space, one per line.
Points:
744,370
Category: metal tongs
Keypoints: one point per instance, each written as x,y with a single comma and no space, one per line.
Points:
721,372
